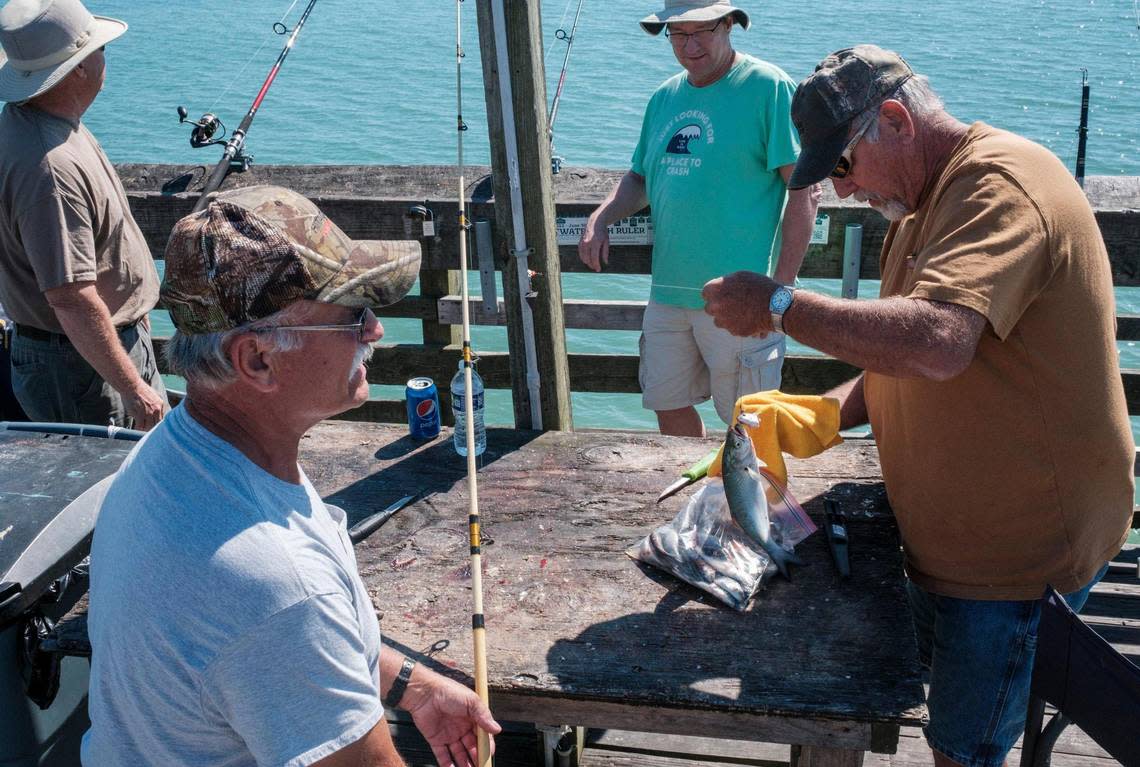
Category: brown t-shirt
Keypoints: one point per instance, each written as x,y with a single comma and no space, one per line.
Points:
64,218
1018,472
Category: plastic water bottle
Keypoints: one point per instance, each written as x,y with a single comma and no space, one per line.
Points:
459,436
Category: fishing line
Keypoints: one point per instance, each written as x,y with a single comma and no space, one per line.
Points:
478,623
278,28
561,21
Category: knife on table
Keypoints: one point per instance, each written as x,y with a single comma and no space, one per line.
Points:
690,475
370,524
835,523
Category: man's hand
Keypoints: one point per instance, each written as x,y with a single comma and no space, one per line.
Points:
738,303
86,321
144,406
594,246
448,714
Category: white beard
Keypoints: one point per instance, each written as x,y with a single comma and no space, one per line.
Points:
891,210
363,355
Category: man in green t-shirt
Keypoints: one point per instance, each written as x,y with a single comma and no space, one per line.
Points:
716,149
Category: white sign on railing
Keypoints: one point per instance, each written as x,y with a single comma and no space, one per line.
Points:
635,230
820,231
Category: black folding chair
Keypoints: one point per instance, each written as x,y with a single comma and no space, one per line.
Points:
1090,683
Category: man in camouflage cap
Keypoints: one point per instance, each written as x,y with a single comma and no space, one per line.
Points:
991,379
267,649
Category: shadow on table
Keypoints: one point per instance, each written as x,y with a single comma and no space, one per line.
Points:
418,467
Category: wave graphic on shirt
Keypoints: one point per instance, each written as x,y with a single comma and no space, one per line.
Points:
679,144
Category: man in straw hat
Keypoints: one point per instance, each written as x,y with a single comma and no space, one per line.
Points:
228,622
76,275
717,147
991,376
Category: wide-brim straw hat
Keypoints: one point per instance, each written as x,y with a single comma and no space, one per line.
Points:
679,11
43,40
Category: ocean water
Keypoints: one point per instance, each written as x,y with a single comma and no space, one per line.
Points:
374,82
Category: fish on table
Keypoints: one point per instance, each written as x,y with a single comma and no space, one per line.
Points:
745,491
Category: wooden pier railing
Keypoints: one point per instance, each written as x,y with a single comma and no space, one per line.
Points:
376,202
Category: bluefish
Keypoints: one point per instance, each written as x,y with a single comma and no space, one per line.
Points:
744,489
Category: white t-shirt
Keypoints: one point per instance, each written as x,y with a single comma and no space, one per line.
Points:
228,622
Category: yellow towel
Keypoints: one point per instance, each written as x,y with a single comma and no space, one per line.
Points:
801,425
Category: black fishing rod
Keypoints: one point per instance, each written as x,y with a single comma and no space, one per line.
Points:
1083,128
206,126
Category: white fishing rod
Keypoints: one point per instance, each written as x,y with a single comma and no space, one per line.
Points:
478,624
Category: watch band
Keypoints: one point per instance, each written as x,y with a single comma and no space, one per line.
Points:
778,322
396,693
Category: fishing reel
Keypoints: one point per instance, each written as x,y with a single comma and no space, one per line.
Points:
204,130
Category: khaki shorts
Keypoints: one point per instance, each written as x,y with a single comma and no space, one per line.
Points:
685,359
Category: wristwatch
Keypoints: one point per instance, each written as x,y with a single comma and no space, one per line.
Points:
779,303
399,684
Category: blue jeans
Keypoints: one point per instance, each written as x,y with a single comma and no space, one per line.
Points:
54,383
980,657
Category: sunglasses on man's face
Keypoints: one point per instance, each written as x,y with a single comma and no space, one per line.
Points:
843,166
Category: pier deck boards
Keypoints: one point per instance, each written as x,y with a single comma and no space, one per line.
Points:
580,634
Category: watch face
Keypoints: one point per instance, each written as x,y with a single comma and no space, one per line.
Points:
781,300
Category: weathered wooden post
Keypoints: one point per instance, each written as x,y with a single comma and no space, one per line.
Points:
528,91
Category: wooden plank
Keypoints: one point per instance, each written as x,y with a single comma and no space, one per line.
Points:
543,290
1128,327
412,307
717,750
809,756
638,716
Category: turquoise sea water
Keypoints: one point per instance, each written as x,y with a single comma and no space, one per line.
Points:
374,82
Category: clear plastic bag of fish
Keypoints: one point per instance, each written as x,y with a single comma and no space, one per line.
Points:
706,548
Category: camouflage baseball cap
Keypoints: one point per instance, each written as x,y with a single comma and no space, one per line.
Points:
844,84
252,252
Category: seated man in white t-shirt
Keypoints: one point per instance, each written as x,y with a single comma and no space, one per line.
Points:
228,622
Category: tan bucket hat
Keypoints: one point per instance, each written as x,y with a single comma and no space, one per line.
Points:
677,11
254,251
43,40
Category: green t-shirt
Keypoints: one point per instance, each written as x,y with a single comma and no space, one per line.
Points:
711,157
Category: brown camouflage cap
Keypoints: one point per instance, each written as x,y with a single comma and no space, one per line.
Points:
255,251
842,87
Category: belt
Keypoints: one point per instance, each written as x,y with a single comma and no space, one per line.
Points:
36,334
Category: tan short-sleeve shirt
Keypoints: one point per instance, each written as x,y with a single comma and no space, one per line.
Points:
1018,472
64,218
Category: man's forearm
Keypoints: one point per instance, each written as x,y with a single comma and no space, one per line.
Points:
901,337
852,404
87,323
795,233
625,199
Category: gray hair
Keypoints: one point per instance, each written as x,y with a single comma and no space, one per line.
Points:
915,94
202,358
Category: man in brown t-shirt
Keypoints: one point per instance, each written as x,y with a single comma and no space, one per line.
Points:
991,376
76,275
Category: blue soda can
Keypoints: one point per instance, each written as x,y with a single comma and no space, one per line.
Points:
423,408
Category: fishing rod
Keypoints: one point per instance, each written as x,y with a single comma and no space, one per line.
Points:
206,127
1083,128
555,161
478,623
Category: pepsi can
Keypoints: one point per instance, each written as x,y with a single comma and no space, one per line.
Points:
423,408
